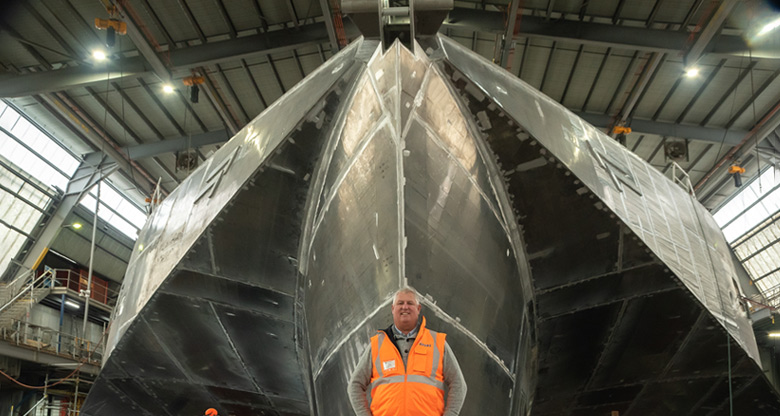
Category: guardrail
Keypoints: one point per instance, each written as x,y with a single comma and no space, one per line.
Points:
50,341
681,178
45,280
77,281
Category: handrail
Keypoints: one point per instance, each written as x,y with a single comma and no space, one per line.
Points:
36,405
30,287
75,281
685,181
21,278
50,340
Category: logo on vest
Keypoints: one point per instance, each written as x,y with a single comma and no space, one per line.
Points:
424,345
388,365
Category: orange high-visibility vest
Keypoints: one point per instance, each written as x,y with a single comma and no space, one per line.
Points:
416,389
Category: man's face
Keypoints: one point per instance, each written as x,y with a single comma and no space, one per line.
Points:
406,310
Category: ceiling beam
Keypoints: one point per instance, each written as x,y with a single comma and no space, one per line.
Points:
183,61
625,37
707,134
509,31
327,14
218,102
144,47
637,91
147,150
25,85
708,33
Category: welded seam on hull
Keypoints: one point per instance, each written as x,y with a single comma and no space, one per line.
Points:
454,159
253,284
400,177
495,179
430,72
598,276
233,305
512,235
511,228
364,141
455,323
146,390
396,138
313,204
173,359
346,337
240,358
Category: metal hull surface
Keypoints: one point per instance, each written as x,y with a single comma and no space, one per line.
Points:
545,250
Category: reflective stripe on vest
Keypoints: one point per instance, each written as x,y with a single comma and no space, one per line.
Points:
416,388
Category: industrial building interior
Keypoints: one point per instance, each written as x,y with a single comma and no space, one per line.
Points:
108,105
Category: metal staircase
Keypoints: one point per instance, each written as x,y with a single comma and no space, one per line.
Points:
19,296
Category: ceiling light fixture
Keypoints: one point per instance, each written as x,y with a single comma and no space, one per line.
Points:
774,335
76,225
692,72
774,24
167,88
99,55
72,304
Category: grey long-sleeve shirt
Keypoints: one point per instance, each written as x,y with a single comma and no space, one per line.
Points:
455,384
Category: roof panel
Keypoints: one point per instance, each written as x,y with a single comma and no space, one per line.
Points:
769,98
149,21
30,30
614,69
740,96
175,20
243,14
150,109
80,36
485,46
267,82
206,113
674,11
245,91
601,9
208,17
713,94
98,114
14,52
309,60
565,6
668,73
307,9
536,61
130,117
287,69
637,9
584,76
275,11
560,66
684,93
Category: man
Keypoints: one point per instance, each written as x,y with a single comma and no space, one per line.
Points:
407,367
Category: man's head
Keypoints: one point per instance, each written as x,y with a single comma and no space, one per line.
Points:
406,309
